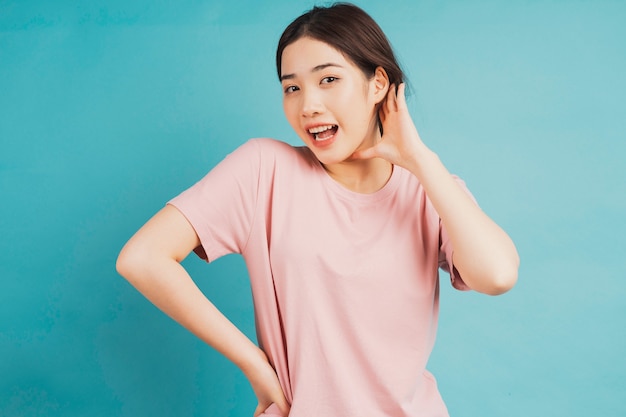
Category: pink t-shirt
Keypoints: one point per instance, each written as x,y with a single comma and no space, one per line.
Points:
345,285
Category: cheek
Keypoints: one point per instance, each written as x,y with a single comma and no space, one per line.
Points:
288,110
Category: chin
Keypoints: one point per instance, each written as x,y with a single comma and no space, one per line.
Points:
331,158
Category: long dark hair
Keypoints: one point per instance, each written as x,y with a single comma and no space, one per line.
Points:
351,31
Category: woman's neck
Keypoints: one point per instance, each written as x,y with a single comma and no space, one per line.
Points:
361,176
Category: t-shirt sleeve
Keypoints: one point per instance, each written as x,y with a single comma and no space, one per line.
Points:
446,250
221,206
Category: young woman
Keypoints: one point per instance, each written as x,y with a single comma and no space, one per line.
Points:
343,237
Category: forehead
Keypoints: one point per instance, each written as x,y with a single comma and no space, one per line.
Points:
303,55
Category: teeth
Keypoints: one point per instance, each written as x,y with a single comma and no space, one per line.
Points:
320,129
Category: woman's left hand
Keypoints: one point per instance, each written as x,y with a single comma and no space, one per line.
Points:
400,142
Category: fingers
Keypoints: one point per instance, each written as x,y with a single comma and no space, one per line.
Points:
390,103
401,97
270,409
385,106
395,100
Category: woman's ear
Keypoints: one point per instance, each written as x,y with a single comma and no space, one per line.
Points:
381,84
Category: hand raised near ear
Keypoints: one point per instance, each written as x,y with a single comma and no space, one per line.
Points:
400,141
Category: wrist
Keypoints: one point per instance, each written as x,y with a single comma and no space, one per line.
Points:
420,159
253,360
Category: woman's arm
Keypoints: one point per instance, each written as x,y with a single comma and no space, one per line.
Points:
150,261
484,254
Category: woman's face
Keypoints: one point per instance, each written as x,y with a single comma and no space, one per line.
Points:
328,100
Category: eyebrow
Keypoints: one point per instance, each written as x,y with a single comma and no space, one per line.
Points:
315,69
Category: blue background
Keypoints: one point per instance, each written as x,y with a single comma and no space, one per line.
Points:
108,109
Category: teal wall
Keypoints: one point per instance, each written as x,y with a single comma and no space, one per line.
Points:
108,109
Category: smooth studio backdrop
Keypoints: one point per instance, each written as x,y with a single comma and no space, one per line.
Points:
109,109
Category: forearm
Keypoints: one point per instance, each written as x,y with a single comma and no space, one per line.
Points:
169,287
484,254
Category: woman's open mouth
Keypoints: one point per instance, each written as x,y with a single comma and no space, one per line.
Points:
323,133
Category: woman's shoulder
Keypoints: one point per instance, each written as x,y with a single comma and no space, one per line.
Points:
274,150
273,144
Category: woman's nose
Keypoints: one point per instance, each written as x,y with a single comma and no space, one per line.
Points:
311,104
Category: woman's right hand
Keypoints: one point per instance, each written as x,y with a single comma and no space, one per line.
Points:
266,387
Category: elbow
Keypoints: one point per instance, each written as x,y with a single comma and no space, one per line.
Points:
502,284
121,264
129,263
494,279
124,264
502,281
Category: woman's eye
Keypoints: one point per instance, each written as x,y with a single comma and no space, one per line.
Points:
328,80
290,89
